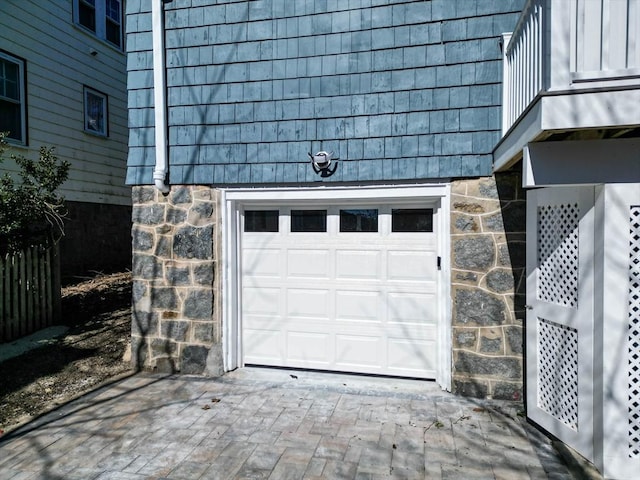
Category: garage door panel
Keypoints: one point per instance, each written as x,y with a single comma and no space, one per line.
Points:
361,306
353,351
358,264
312,303
308,263
261,262
416,355
411,308
411,266
263,346
261,300
312,348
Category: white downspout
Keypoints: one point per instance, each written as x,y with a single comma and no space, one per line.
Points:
159,96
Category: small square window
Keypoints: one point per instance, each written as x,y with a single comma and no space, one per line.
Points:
308,220
359,220
261,220
102,18
12,98
87,14
412,220
95,112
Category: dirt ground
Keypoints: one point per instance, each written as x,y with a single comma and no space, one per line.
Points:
98,314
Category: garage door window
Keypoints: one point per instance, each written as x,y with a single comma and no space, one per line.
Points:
308,220
359,220
412,220
261,220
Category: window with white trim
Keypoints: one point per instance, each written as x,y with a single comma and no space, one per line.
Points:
103,18
12,98
95,112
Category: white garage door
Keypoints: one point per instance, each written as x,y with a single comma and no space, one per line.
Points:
343,288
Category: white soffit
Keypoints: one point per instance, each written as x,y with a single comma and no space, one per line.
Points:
581,162
567,111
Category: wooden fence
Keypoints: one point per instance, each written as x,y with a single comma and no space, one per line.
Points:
29,290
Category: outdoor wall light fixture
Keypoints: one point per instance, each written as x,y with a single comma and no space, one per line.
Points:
321,163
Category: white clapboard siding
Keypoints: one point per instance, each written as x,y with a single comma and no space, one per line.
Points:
607,35
58,65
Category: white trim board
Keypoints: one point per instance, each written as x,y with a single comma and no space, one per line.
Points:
232,200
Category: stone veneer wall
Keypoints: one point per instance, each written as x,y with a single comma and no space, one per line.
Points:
176,313
488,284
176,324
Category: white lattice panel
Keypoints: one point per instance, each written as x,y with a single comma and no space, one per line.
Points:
634,333
558,254
558,372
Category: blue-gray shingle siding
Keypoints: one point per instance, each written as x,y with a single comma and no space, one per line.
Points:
399,90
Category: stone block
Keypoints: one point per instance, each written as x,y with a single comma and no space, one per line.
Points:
164,298
500,280
508,391
201,213
477,307
474,252
193,359
165,365
194,243
464,223
199,305
177,275
142,195
142,240
148,214
465,338
470,388
163,246
145,267
514,338
497,367
144,324
162,347
176,216
491,341
484,188
473,206
138,290
203,332
174,330
466,277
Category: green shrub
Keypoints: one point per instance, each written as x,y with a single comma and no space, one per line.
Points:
30,208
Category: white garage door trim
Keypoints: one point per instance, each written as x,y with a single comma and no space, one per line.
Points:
234,200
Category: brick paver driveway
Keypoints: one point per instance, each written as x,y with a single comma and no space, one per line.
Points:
260,423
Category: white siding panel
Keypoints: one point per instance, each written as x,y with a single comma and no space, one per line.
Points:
633,53
58,64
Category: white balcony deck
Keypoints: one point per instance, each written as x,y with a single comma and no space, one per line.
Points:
569,65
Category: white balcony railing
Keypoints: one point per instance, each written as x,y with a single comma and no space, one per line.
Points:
523,63
569,45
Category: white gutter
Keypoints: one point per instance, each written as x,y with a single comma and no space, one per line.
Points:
159,96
